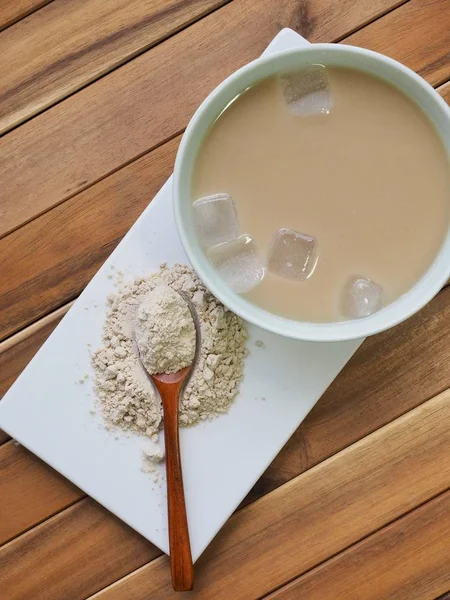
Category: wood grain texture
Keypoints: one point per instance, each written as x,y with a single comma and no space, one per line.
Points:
423,29
12,11
71,555
85,229
30,491
53,269
70,44
105,538
407,560
124,114
374,388
317,514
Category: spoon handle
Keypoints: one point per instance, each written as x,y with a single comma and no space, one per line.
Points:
180,548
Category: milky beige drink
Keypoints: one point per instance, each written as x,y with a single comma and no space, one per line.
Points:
366,179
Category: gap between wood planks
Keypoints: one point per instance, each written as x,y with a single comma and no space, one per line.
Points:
72,494
98,49
26,332
342,38
12,11
398,555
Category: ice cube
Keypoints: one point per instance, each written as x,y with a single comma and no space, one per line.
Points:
292,255
307,91
215,219
239,263
361,298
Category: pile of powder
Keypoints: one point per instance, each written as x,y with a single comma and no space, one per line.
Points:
127,398
165,331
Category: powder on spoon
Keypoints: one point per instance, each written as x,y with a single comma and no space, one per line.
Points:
165,331
127,398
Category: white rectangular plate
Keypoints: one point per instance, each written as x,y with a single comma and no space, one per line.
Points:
48,412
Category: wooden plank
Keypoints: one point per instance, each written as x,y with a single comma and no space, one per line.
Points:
70,44
373,389
125,114
71,555
316,515
408,559
4,437
39,271
30,491
423,26
12,11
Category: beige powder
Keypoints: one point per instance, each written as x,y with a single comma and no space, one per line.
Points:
127,398
165,331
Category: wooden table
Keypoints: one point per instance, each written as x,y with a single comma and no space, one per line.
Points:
94,95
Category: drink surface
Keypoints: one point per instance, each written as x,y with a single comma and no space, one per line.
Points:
369,181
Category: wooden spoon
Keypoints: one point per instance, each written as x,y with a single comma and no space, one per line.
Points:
170,388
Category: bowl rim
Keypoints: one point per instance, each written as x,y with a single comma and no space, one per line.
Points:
399,310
